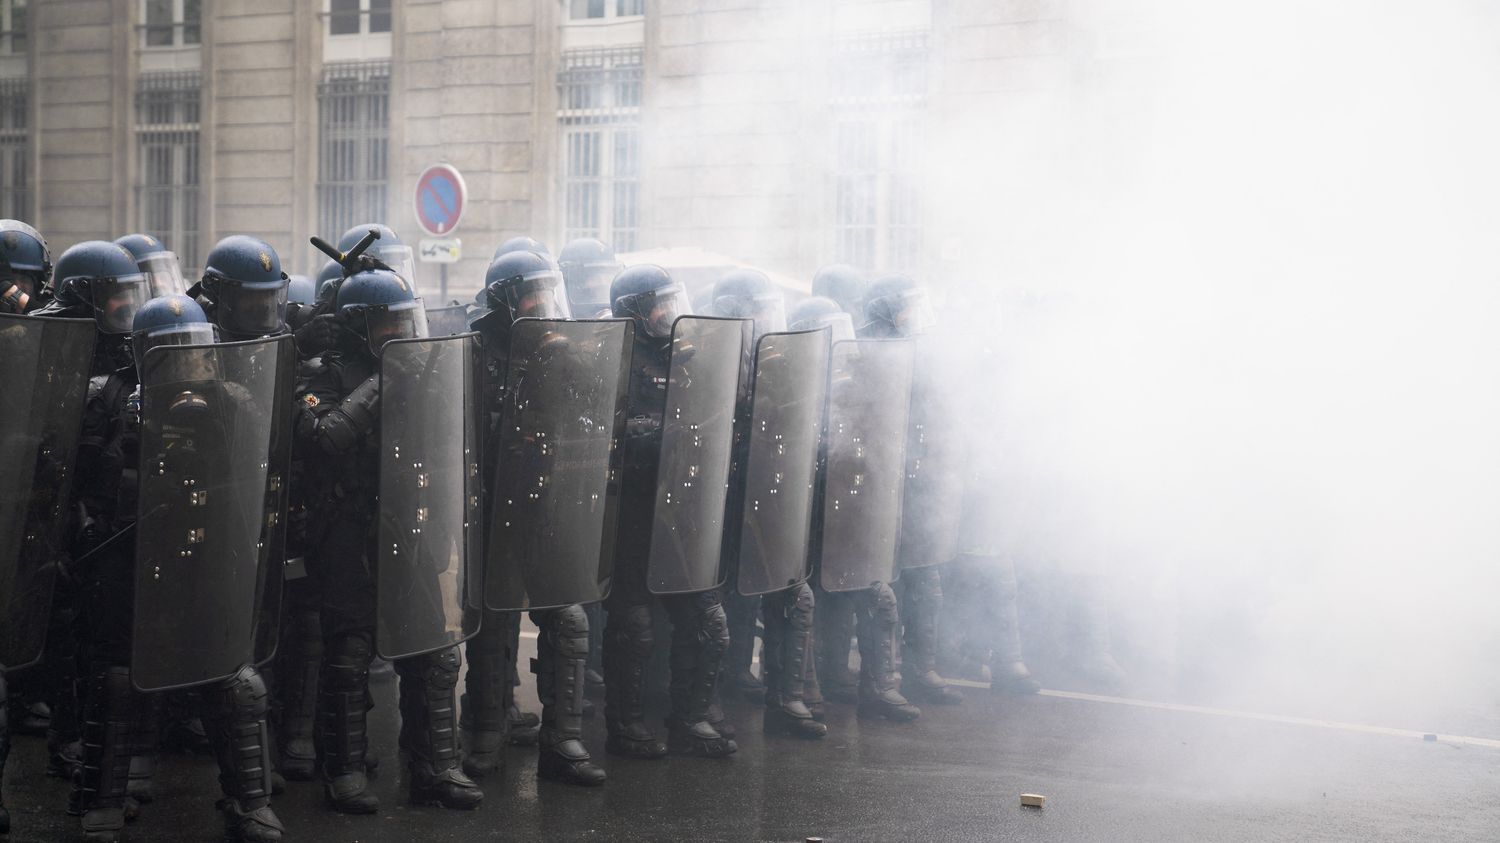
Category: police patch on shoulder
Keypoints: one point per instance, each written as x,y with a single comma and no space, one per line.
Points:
310,400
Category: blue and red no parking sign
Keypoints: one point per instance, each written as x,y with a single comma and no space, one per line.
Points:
440,199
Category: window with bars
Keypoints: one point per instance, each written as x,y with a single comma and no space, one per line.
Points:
167,162
353,145
878,87
358,17
171,23
599,96
15,150
598,9
13,29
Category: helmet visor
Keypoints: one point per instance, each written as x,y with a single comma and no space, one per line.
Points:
588,284
250,309
768,311
909,312
840,325
539,296
165,274
398,258
196,334
196,365
116,300
404,321
655,310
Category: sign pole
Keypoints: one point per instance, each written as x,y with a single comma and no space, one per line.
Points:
443,283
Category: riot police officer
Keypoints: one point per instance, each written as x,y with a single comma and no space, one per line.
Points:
337,431
233,708
161,266
875,608
747,294
520,243
523,284
588,266
897,307
841,283
301,289
700,634
25,268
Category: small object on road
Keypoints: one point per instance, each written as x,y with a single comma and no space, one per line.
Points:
1033,800
1429,737
814,840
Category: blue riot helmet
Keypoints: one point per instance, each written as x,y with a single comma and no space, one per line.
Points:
821,312
842,283
588,265
647,294
102,276
161,266
25,266
379,305
244,281
521,244
388,249
172,320
301,289
518,285
896,306
328,280
749,294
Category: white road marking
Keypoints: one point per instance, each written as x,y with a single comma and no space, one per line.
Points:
1489,743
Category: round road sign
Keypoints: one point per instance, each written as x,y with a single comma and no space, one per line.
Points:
440,199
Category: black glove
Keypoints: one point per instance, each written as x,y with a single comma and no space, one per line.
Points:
319,334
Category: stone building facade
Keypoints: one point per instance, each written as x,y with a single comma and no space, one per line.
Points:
782,133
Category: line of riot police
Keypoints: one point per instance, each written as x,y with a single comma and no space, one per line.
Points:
227,500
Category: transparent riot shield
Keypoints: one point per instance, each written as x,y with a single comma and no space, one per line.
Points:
278,471
555,495
869,400
933,497
448,320
788,403
44,381
208,418
704,390
428,531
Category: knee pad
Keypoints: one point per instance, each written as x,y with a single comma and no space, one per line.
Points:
713,629
569,630
883,603
243,694
440,670
347,662
629,628
800,606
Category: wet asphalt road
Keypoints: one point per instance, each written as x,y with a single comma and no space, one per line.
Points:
1109,772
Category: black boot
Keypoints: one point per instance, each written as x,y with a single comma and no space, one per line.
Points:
235,717
700,637
924,600
300,661
142,786
342,708
562,656
429,732
483,711
628,640
878,697
1008,670
788,621
109,716
739,660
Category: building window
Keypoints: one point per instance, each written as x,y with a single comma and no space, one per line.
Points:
13,27
599,96
171,23
15,151
599,9
358,17
878,88
353,145
166,187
